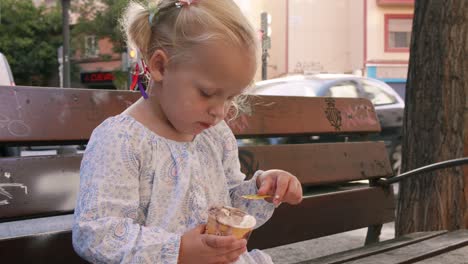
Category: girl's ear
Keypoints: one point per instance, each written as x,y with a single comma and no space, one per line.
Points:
157,65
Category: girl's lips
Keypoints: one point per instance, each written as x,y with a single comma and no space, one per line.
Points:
205,125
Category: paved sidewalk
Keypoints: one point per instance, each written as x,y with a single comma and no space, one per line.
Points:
314,248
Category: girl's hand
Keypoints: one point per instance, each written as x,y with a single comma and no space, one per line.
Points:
197,247
282,185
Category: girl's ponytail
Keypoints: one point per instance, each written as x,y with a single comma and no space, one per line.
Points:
136,25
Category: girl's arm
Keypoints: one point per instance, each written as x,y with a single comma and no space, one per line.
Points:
260,209
109,216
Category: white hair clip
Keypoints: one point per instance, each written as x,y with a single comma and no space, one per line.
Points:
182,3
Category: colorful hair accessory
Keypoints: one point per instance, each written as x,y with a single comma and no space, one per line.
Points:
150,18
153,11
136,78
182,3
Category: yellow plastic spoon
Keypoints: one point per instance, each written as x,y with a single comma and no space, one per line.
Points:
255,196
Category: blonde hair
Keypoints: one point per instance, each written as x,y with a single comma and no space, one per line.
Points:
178,30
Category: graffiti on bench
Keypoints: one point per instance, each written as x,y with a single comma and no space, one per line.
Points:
4,193
16,128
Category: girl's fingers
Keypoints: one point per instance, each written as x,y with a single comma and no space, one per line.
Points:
282,183
234,255
267,185
298,191
220,242
294,194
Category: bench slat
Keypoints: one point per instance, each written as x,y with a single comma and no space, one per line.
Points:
51,248
362,208
30,114
356,204
78,111
354,254
455,256
52,181
35,186
320,163
281,115
422,250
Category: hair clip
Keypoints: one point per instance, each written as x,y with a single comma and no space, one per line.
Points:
182,3
153,11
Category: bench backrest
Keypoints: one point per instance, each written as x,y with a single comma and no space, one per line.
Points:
47,185
331,205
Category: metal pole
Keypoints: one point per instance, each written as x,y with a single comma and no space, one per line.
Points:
66,41
428,168
266,42
264,64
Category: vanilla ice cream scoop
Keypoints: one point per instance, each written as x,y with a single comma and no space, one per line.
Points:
226,220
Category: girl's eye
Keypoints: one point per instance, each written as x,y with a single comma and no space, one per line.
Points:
204,94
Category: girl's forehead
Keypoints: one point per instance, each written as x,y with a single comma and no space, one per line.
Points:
224,63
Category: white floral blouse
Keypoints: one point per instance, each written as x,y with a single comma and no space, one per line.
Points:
139,192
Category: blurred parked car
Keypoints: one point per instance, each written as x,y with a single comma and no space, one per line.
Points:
389,106
6,77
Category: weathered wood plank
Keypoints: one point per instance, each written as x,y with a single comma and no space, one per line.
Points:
48,185
355,254
379,208
320,163
277,115
322,215
30,114
421,250
35,186
455,256
51,248
72,114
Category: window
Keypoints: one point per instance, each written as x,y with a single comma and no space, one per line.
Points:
91,47
344,89
376,95
395,2
398,32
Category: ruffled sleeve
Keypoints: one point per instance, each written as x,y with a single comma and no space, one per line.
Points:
108,223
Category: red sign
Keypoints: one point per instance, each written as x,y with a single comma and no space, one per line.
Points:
97,77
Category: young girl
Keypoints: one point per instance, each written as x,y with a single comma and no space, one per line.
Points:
150,174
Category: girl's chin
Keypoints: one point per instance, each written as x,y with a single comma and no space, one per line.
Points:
198,131
200,126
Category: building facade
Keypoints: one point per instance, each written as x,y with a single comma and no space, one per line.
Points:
388,36
98,65
368,37
94,64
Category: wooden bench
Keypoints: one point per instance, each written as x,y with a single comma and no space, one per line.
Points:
38,194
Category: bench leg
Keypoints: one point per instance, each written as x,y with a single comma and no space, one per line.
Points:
373,234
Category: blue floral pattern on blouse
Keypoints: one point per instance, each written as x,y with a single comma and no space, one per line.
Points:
139,192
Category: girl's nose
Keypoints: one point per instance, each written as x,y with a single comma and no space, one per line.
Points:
218,110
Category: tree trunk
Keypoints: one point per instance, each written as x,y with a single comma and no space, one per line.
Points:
434,117
465,168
